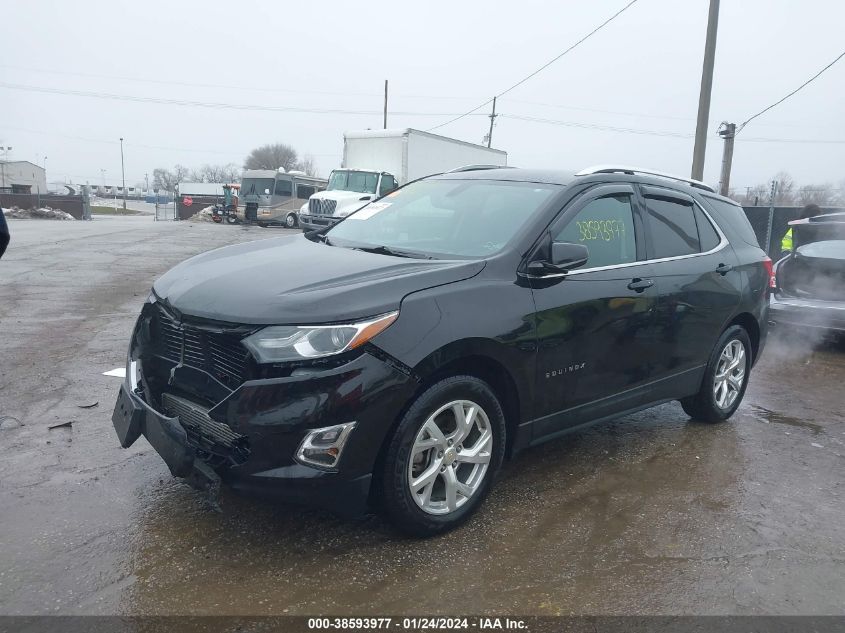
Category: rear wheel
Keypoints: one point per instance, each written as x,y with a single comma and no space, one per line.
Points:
443,456
290,221
263,225
725,378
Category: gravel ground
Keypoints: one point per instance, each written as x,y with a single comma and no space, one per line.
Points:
649,514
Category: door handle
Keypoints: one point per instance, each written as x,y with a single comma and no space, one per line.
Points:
640,284
724,269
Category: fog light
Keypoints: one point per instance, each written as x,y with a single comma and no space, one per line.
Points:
322,447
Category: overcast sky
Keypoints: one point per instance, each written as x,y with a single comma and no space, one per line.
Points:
642,72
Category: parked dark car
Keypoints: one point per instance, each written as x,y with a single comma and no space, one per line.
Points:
394,360
810,294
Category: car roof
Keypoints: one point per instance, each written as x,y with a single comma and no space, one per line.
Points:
512,174
563,177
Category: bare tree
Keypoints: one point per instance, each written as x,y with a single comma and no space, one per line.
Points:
821,195
166,180
308,165
785,193
217,173
756,195
272,156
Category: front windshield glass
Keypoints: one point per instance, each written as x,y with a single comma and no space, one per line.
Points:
358,181
256,186
462,218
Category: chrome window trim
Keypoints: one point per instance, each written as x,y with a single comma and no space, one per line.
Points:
723,242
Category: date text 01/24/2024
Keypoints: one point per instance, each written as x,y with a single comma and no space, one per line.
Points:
416,623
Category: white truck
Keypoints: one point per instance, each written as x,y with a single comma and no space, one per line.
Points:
375,162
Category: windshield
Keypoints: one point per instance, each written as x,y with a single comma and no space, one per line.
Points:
256,186
359,181
462,218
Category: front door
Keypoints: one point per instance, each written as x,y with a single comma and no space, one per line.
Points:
595,324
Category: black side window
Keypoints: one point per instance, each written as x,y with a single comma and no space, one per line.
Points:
284,187
709,238
672,226
388,184
606,227
303,192
734,215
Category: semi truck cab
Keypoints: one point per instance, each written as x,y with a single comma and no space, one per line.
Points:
348,190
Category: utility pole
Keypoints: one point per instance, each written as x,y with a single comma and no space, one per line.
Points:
704,94
146,182
385,104
123,173
727,132
492,118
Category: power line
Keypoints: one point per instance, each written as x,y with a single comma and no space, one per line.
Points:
166,82
207,104
544,66
600,111
596,126
781,100
142,145
660,133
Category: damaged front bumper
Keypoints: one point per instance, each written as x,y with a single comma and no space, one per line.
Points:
271,418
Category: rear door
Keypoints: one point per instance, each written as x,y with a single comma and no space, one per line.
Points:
595,324
695,270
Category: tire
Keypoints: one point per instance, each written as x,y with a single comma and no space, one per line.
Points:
716,403
263,225
290,221
432,510
231,219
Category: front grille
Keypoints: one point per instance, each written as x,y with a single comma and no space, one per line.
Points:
220,354
212,438
318,206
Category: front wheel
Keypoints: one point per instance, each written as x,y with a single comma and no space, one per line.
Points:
725,378
231,219
443,456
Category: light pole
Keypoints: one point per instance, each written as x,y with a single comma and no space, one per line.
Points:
5,151
122,173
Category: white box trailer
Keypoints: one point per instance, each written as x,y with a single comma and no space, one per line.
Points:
377,161
409,154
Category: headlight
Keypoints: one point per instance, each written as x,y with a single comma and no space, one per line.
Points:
283,343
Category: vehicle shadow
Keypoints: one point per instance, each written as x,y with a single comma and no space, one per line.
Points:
605,506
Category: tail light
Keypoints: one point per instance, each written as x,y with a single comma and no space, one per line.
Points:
770,273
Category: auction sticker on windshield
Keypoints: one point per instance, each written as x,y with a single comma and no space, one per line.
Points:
369,211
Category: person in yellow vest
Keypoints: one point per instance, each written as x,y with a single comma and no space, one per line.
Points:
809,211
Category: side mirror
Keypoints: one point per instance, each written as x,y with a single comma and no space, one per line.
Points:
566,255
365,198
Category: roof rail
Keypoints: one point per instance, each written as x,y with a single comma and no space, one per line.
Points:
625,169
476,168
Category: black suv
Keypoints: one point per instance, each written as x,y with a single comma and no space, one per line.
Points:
395,359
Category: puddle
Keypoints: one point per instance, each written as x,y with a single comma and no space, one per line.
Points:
765,415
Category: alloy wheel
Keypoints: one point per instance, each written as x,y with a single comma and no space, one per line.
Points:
730,374
450,457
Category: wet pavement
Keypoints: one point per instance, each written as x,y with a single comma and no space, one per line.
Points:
648,514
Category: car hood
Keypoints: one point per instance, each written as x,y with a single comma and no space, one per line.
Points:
292,280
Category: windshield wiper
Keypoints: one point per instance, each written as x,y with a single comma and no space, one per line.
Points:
381,249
